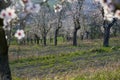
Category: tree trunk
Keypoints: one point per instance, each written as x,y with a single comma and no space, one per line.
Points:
107,26
115,32
75,37
55,37
106,36
44,40
76,28
36,38
5,73
51,39
37,41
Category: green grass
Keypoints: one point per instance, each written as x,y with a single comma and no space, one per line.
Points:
66,62
100,75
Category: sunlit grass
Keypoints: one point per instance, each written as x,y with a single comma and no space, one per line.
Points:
89,61
108,72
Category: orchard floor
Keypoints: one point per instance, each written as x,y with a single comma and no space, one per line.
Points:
87,61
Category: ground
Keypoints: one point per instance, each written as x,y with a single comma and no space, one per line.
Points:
88,61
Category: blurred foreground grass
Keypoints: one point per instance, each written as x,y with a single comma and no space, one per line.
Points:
88,61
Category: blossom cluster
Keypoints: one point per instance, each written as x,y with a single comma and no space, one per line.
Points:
111,9
9,14
58,7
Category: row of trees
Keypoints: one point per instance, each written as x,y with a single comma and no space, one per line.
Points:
47,19
73,17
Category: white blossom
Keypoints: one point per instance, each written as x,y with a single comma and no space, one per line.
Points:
44,0
57,8
11,13
19,34
71,1
3,14
117,14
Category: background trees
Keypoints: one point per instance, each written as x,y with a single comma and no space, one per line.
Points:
43,21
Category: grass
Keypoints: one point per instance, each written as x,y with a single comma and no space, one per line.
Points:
106,73
89,61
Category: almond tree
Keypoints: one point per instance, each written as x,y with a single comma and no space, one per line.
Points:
7,14
5,73
75,12
111,12
58,8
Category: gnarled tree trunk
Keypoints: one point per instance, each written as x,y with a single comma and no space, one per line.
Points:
5,73
76,28
55,37
107,26
106,36
44,40
75,37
